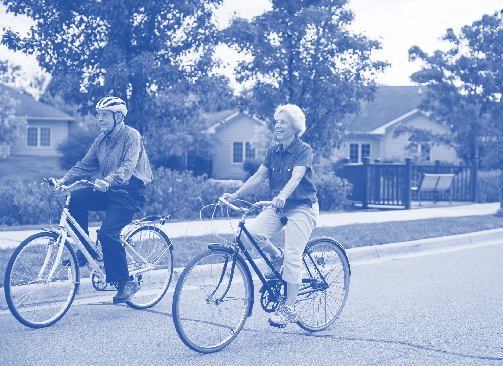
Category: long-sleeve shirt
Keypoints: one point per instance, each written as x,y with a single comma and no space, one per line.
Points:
119,156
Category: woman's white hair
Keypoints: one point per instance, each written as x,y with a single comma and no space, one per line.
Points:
296,116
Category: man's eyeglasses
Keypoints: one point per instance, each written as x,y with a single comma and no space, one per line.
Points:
102,115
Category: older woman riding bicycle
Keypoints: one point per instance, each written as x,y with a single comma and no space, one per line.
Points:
289,167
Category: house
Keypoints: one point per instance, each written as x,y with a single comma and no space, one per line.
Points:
371,131
234,135
47,126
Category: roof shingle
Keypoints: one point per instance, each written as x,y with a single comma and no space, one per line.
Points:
30,108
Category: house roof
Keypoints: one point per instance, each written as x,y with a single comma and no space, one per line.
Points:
391,103
224,118
32,109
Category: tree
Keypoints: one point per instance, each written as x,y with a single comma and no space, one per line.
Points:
465,86
12,128
304,53
144,52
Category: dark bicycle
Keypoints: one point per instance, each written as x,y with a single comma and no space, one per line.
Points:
215,292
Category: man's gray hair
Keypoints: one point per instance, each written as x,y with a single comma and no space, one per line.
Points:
296,116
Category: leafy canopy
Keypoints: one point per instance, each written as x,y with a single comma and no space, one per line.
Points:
12,127
132,48
155,55
304,54
465,86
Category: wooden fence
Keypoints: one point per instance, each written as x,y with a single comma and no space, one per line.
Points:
390,184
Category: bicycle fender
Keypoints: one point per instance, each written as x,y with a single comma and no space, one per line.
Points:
315,240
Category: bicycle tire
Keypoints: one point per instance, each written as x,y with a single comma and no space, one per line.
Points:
154,246
203,322
33,301
318,309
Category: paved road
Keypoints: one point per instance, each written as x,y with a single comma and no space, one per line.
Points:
195,228
443,309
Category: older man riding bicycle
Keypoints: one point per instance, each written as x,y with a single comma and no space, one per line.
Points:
118,153
288,165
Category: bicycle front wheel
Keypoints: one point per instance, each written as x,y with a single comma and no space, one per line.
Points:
325,284
33,298
149,256
212,301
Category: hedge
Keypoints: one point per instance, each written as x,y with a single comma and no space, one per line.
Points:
178,194
488,186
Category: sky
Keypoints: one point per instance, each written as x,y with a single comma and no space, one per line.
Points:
397,24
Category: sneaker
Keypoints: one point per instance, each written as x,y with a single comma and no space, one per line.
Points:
283,315
277,262
127,289
81,259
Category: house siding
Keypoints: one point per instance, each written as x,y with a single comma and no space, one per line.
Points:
395,148
59,132
240,129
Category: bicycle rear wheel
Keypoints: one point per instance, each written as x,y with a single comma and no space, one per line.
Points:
325,284
149,249
210,306
34,300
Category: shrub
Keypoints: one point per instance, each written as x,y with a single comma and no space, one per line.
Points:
178,194
250,166
76,146
488,186
24,204
332,191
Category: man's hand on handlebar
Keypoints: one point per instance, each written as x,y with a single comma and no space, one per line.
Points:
101,185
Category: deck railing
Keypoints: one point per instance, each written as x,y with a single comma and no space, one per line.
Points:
390,184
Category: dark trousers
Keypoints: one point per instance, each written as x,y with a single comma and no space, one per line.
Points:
120,207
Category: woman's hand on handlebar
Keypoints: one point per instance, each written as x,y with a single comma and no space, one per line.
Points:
278,202
229,197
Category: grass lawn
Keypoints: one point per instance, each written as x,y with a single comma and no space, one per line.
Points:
29,168
350,236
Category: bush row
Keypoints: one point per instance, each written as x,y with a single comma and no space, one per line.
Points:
488,186
178,194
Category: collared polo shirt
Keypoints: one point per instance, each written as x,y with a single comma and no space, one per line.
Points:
280,163
119,156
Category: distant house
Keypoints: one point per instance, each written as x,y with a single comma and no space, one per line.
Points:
371,132
47,126
233,135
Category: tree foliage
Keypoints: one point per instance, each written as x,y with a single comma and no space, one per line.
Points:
12,127
155,55
304,54
465,86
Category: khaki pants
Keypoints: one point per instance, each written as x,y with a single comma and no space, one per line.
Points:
301,222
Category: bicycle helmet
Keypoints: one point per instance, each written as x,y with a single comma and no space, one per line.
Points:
112,104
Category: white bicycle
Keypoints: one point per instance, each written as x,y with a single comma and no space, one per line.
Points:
43,276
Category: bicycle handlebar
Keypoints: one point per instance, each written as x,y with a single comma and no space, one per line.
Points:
245,210
76,185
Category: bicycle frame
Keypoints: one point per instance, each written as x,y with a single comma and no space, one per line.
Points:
315,284
66,230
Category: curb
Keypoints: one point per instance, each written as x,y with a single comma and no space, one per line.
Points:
425,246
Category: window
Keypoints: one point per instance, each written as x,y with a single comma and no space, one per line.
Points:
365,151
250,151
237,152
358,151
242,151
353,153
32,136
38,136
45,136
425,151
